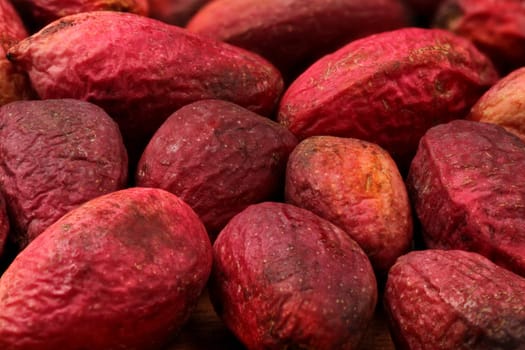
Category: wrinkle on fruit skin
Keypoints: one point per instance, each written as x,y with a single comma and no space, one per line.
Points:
42,12
357,186
454,300
54,156
218,157
496,27
141,70
125,270
292,34
466,185
285,277
388,88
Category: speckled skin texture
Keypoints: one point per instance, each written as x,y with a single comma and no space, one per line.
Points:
141,70
504,104
388,89
123,271
293,33
176,12
357,186
497,28
219,158
14,83
42,12
467,185
54,156
285,278
454,299
4,225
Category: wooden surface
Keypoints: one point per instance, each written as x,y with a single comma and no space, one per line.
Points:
205,330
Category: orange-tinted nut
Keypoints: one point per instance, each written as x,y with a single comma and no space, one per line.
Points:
14,83
504,104
357,186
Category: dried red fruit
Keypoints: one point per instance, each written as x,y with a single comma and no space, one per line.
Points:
219,158
504,104
54,156
141,70
39,13
357,186
124,270
454,300
176,12
292,34
496,27
467,185
285,278
14,83
388,89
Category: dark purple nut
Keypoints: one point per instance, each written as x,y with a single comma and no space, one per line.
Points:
54,156
219,158
174,12
292,34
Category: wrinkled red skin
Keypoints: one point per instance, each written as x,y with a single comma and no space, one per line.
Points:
14,83
496,27
121,62
467,185
357,186
454,299
123,271
176,12
54,156
219,158
42,12
293,34
4,226
388,89
284,278
504,104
